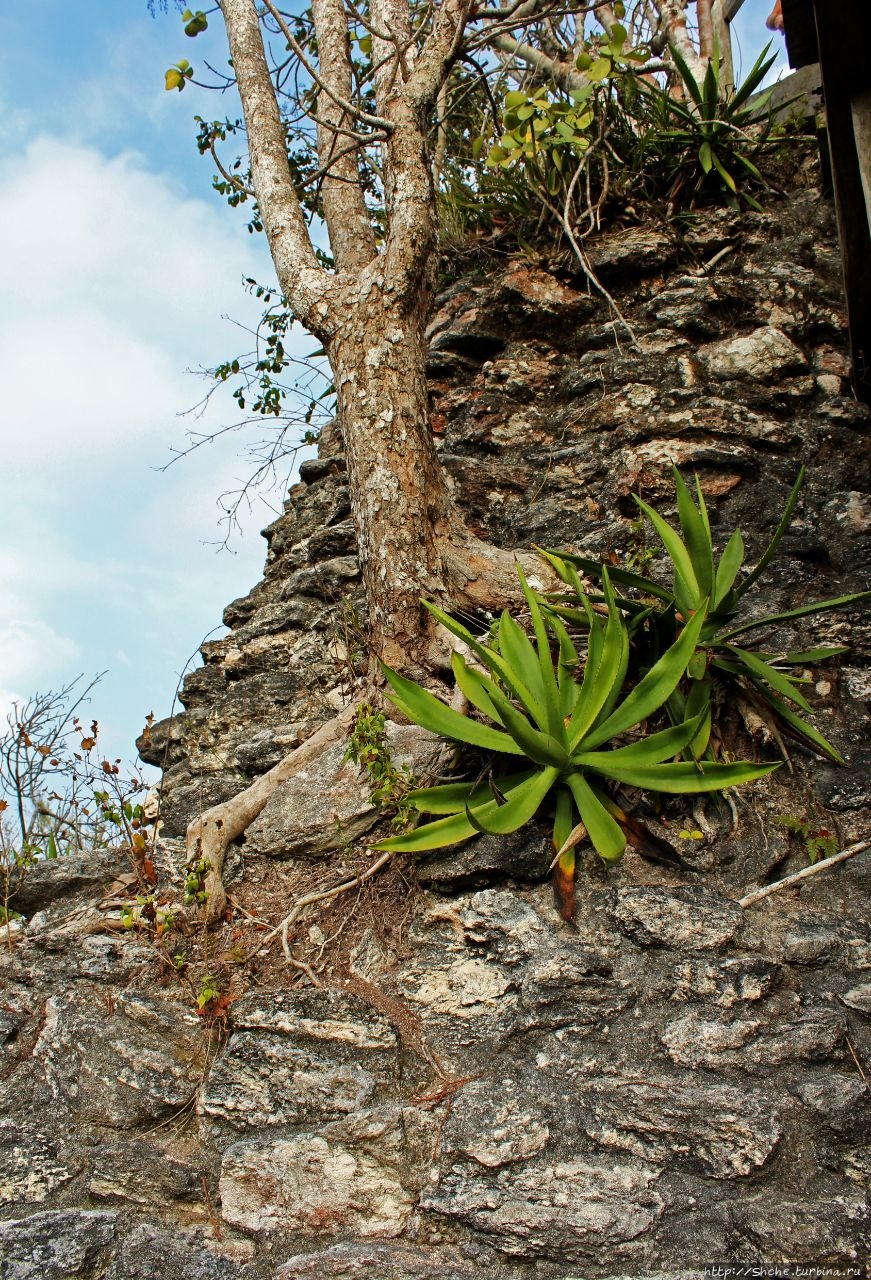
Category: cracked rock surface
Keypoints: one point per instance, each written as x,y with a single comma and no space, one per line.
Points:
674,1081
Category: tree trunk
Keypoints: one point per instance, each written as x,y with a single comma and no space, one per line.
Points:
412,539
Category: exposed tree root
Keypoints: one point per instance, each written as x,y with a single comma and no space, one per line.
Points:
210,834
482,576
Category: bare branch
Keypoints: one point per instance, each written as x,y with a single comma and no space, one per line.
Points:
376,122
351,236
788,881
304,282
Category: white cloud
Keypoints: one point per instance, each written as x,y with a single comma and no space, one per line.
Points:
115,287
31,648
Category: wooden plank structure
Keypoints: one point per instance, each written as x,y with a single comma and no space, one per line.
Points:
836,34
828,43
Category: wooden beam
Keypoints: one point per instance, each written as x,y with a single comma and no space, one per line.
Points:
844,38
730,8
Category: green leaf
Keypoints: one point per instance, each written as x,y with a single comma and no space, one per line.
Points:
601,675
599,69
517,650
706,157
493,661
522,804
454,797
678,553
423,708
728,569
799,728
755,76
606,834
563,822
595,567
689,80
697,536
689,778
724,173
547,681
808,657
432,835
515,99
771,549
663,745
474,685
654,688
781,683
819,606
539,746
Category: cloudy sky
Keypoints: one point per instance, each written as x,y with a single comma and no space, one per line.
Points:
120,270
122,273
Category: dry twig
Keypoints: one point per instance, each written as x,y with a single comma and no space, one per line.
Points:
797,876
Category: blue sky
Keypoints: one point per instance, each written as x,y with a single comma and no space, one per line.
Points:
121,270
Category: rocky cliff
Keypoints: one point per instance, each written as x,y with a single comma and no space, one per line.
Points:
437,1074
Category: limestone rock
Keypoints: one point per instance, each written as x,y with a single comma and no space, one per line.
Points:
56,1245
309,1185
385,1261
687,918
726,1132
328,805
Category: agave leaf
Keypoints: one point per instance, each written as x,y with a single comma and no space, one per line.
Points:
491,659
603,669
616,682
711,90
663,745
432,835
521,805
793,724
697,534
678,553
595,567
425,709
698,703
453,797
750,167
781,529
689,778
539,746
652,690
569,687
547,675
606,835
808,657
818,606
563,821
475,686
754,77
690,82
517,650
760,670
728,569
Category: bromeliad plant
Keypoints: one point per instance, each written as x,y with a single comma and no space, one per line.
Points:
702,584
566,721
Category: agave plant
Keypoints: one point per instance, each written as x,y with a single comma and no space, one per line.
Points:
702,583
711,125
564,719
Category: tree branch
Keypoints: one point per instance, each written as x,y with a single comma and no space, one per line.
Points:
304,282
351,236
